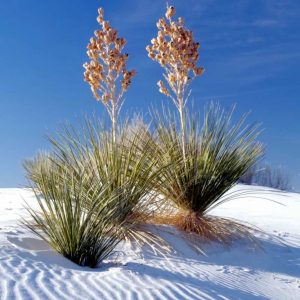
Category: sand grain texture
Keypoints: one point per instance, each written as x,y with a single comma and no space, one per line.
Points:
30,270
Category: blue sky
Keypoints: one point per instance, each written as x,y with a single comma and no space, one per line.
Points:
249,48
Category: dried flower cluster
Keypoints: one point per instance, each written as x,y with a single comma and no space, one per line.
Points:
176,51
106,72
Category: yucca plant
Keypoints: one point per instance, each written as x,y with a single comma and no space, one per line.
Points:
92,156
217,155
85,236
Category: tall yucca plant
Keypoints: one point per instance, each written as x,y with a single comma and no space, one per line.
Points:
85,236
217,155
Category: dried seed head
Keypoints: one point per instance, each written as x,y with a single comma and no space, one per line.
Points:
199,71
162,88
105,25
100,15
107,64
180,21
176,51
170,12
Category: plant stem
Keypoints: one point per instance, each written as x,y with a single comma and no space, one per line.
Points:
114,121
114,114
182,123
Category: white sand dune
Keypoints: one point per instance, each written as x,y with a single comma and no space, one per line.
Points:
30,270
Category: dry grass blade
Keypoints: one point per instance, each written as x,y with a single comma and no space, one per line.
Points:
210,229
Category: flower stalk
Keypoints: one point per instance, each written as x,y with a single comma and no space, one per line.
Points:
176,51
106,72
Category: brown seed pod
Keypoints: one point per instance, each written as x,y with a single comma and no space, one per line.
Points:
170,12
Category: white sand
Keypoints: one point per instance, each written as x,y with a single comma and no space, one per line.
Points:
30,270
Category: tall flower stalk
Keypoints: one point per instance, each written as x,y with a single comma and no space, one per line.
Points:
176,51
106,71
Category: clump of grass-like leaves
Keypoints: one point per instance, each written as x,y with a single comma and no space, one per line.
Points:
85,236
217,154
34,167
92,156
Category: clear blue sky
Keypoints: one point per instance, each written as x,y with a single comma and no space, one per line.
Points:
249,48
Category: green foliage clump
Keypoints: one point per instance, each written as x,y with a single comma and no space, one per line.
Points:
217,155
108,183
85,236
127,163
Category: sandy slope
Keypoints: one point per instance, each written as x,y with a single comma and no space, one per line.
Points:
30,270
